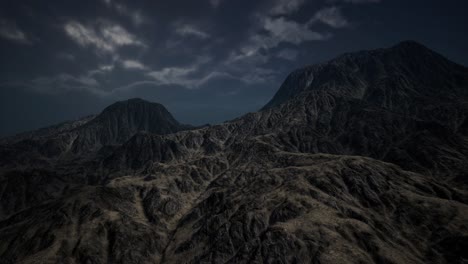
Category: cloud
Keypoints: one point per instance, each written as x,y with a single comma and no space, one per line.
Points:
133,65
249,60
354,1
10,31
246,65
104,36
273,32
172,75
136,16
66,56
258,75
176,76
90,81
60,83
215,3
330,16
274,29
287,54
102,69
185,77
190,30
106,67
246,56
284,7
283,30
119,36
191,76
86,36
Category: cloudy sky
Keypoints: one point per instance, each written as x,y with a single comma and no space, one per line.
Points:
207,61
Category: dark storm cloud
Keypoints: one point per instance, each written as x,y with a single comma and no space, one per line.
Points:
121,37
193,56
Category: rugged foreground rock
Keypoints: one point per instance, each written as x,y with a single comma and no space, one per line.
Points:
363,159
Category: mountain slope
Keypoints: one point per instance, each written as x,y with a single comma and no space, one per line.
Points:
302,208
365,164
120,121
393,78
31,157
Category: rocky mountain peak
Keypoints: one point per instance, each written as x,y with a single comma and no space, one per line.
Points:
138,113
412,46
390,77
121,120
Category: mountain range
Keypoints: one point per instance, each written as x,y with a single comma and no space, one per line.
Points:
362,159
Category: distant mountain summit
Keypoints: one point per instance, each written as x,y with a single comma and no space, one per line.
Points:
127,117
115,125
121,120
392,78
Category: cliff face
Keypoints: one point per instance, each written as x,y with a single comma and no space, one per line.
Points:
359,160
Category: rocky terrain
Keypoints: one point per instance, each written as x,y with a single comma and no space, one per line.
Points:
363,159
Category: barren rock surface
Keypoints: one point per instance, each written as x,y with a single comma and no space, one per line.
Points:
363,159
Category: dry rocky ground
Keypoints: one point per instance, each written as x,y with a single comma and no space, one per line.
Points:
363,159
